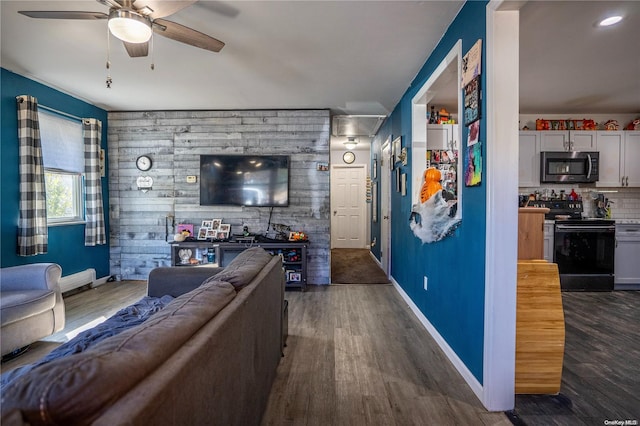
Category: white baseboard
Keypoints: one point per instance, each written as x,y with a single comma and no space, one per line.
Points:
473,383
79,279
99,281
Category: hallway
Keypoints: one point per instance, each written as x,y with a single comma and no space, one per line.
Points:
356,355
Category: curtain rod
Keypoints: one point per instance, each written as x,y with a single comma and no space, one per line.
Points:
46,108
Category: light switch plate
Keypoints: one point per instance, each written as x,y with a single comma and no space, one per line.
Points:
192,179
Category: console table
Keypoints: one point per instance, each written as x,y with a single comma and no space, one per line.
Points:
203,253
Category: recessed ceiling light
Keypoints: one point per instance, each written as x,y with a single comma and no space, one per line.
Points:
612,20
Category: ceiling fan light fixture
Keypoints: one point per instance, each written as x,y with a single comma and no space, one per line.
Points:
129,26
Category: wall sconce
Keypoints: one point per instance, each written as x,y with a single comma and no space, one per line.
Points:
351,142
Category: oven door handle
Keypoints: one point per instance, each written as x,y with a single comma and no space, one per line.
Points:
590,165
573,228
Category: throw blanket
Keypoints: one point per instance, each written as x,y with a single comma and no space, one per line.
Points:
122,320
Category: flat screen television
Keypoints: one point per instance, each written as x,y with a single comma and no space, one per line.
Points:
244,180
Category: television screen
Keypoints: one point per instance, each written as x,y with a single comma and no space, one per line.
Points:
244,180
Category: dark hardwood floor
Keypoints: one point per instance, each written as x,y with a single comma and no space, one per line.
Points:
356,355
601,371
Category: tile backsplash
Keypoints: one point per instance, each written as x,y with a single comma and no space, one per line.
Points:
625,202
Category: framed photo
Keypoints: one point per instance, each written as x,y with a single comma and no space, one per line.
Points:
224,227
397,149
374,202
403,184
215,223
222,235
294,276
206,223
472,101
181,227
210,233
202,233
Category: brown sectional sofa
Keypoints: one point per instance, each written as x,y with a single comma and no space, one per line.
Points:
208,358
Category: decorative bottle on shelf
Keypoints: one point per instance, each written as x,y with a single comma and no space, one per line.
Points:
573,196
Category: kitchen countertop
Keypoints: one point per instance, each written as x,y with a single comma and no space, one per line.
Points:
627,221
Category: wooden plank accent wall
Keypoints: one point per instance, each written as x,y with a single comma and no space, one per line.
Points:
175,140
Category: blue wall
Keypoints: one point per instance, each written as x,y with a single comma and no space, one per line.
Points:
454,303
66,243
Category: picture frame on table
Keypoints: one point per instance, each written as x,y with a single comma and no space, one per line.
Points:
224,227
215,223
210,233
207,223
181,227
202,233
222,235
294,276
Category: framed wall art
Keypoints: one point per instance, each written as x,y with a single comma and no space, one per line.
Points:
472,101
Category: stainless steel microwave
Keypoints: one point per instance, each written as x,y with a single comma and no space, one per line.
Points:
569,167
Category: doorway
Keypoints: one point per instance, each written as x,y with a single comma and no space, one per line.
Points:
348,201
385,208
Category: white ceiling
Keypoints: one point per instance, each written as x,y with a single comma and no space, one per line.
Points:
353,57
570,65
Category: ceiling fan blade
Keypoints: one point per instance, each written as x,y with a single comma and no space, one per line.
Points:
137,50
186,35
66,14
161,8
112,3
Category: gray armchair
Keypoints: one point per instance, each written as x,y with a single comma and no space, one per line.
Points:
31,304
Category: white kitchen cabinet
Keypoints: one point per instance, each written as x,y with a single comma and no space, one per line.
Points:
611,148
631,171
627,267
565,140
619,158
529,159
548,241
443,136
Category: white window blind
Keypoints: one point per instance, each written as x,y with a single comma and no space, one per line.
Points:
62,144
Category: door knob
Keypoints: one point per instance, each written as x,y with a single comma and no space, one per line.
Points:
335,212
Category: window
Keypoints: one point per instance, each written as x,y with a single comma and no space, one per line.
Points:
64,201
63,158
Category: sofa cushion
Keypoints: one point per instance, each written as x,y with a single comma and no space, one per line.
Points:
78,388
17,305
241,270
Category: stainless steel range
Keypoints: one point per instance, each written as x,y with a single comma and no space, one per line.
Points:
584,250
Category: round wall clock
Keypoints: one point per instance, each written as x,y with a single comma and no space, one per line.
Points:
348,157
144,163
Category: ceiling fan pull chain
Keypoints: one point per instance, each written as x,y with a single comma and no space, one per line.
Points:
109,80
153,66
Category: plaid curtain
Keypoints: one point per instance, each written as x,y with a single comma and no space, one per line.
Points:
94,232
33,236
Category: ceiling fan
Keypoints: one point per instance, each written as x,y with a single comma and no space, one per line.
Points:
133,22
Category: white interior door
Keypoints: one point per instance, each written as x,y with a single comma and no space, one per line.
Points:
385,208
348,213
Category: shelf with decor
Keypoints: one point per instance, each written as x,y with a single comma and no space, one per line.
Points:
294,256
